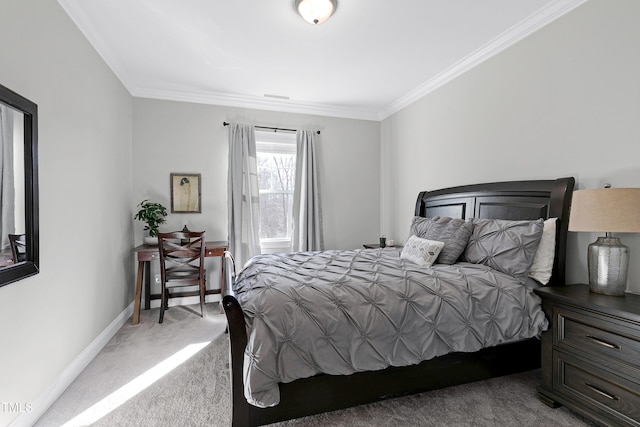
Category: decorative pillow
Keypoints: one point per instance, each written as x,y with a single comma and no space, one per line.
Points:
421,251
506,246
453,232
542,265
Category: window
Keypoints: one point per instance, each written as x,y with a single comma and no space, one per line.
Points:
276,157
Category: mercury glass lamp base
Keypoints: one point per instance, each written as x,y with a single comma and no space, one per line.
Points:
608,261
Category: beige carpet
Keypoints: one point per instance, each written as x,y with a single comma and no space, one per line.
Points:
176,374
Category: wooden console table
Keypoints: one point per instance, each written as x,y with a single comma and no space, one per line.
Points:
146,253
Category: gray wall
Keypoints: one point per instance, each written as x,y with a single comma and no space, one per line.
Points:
190,138
86,230
183,137
563,102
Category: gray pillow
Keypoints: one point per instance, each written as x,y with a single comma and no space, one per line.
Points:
453,232
506,246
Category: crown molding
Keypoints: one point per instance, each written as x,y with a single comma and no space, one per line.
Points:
89,31
96,41
80,19
508,38
243,101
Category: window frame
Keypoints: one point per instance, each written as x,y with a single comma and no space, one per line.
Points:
278,143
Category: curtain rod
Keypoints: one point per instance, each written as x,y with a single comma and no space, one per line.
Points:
273,129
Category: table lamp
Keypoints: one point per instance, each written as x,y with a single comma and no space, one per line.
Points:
609,210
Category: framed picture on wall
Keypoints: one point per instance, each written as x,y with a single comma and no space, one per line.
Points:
185,193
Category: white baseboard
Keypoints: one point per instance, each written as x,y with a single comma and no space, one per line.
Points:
71,372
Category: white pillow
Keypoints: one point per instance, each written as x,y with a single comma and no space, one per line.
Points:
421,251
542,265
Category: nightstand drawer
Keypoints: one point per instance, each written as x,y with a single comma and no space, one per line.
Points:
594,386
599,336
591,354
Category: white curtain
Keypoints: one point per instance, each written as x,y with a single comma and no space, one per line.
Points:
243,200
7,189
307,215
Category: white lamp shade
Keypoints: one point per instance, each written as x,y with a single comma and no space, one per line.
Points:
610,210
316,11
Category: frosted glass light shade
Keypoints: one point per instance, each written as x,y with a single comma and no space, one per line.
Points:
316,11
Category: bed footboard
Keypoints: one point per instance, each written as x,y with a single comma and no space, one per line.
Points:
237,329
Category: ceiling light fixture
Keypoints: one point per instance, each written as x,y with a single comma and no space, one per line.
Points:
316,11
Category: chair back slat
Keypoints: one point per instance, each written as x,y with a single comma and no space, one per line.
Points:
18,247
182,256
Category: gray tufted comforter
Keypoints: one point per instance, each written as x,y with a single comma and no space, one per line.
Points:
338,312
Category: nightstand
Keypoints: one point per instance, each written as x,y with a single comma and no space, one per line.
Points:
377,246
591,354
371,245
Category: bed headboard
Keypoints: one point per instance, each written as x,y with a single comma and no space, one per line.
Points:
514,200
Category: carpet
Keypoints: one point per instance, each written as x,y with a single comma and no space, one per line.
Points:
177,374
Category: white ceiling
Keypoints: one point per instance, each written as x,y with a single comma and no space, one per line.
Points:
369,60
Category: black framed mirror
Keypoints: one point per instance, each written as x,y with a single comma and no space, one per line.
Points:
19,233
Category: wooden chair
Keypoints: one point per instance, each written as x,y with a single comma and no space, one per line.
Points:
181,265
18,247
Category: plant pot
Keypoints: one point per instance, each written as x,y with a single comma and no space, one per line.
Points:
148,240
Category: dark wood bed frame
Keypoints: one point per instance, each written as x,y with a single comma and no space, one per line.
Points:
514,200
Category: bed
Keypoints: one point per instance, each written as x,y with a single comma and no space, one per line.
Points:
324,377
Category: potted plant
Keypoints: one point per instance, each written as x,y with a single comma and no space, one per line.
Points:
152,214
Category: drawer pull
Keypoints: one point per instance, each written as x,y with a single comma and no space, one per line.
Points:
602,392
603,342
